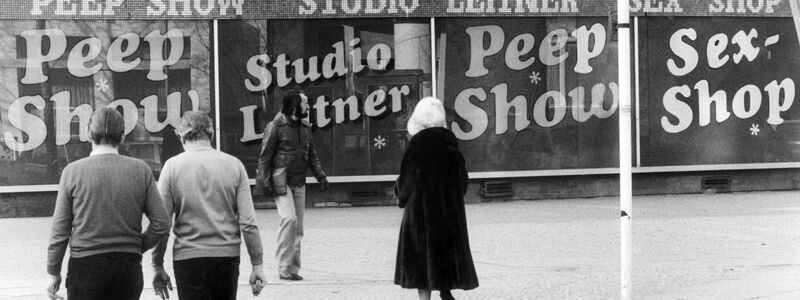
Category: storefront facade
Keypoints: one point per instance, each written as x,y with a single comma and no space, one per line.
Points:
529,87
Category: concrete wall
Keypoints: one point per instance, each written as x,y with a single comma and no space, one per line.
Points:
20,205
41,204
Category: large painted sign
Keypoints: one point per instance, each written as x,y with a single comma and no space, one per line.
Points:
720,91
362,76
520,93
56,73
83,60
292,9
532,94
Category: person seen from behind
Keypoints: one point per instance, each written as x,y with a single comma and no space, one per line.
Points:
433,249
98,212
208,193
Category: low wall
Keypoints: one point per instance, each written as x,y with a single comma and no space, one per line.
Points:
40,204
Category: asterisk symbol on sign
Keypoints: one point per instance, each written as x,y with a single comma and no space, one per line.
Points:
754,129
101,85
380,142
535,77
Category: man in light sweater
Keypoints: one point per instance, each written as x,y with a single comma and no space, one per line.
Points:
209,193
99,207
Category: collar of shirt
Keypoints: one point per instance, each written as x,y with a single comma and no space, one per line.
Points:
103,149
197,145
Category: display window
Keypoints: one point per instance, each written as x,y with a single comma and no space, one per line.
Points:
56,72
530,93
719,91
362,76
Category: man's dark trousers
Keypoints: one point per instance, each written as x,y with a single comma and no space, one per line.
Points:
113,275
213,278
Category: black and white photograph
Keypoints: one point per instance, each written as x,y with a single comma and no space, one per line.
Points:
399,149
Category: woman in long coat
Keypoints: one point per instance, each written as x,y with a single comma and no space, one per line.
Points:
433,250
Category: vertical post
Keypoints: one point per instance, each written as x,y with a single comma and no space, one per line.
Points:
433,58
795,7
635,85
215,37
625,177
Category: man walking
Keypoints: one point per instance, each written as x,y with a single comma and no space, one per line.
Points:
99,207
286,152
209,193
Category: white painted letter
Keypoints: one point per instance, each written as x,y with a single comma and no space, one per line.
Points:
477,50
717,45
513,52
738,104
116,54
684,51
260,72
553,42
249,127
775,106
157,61
37,6
63,118
309,8
677,108
34,57
705,100
540,108
471,113
502,108
27,123
584,54
76,61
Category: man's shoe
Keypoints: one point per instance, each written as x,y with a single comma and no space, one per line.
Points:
292,277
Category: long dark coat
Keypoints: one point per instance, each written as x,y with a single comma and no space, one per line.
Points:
433,249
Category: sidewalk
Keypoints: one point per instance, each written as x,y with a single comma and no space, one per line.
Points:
722,246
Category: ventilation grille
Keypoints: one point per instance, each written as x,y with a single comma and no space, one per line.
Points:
716,182
365,195
496,189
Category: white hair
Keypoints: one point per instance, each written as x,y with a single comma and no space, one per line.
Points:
428,113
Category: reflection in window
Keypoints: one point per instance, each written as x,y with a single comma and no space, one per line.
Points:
519,95
59,140
386,61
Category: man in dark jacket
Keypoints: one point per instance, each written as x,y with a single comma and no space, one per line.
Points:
286,152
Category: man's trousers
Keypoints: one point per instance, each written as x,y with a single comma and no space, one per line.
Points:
205,278
112,275
291,207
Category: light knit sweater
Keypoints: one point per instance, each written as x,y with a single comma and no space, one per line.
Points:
209,193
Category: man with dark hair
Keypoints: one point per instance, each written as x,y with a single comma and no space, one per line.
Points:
286,152
209,193
99,207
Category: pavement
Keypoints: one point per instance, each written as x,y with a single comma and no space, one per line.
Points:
699,246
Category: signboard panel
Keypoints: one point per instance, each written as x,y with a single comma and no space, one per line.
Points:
55,73
362,77
532,93
719,91
323,9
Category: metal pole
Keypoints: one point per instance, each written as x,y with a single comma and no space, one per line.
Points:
625,177
433,58
215,37
795,7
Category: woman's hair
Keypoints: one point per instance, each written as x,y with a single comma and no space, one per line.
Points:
291,102
106,127
195,125
428,113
